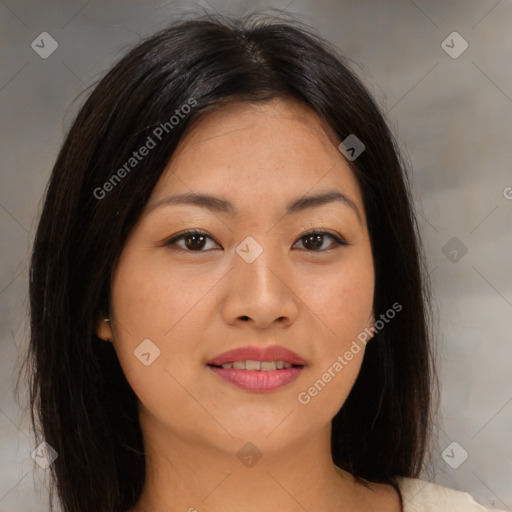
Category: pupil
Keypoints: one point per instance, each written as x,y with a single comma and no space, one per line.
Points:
197,241
316,241
194,244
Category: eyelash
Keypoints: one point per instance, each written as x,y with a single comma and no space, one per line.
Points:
172,241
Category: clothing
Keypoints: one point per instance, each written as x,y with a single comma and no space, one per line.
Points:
422,496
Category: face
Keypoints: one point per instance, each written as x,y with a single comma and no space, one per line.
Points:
254,276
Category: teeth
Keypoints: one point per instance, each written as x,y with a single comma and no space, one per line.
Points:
252,365
268,366
265,366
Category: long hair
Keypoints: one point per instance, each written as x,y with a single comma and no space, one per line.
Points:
80,399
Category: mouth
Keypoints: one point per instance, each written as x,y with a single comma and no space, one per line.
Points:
258,369
263,366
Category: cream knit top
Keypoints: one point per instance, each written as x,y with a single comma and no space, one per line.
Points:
422,496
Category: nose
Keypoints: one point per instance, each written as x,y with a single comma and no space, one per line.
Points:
261,292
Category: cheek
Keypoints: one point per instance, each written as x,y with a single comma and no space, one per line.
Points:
342,299
152,298
152,301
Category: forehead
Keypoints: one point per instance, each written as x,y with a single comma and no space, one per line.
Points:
257,152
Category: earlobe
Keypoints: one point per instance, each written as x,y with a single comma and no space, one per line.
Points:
371,321
371,326
104,330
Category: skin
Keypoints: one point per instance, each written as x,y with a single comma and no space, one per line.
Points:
314,300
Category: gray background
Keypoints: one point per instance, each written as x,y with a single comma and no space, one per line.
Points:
452,117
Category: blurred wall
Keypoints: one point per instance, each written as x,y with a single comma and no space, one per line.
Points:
451,107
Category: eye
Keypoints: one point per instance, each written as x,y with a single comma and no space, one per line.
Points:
313,240
195,240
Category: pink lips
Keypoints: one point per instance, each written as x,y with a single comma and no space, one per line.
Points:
257,380
270,353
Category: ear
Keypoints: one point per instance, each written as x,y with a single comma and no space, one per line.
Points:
103,329
371,321
371,325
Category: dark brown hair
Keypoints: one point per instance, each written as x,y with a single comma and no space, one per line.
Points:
80,398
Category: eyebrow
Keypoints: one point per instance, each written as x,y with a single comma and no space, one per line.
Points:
220,205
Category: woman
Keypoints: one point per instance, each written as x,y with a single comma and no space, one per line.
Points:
228,303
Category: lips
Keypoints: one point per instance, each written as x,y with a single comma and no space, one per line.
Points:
270,353
263,376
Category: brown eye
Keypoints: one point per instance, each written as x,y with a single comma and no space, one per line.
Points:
193,241
197,240
313,241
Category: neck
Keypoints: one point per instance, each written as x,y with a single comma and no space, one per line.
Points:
188,475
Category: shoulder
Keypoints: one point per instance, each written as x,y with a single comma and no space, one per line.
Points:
422,496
